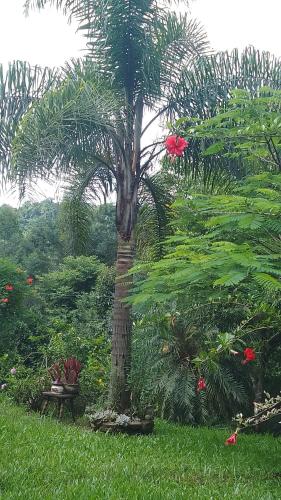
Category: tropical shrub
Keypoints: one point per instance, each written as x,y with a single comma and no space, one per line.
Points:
14,295
164,372
64,314
25,386
218,289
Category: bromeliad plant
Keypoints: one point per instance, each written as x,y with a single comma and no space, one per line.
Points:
55,372
263,412
72,368
65,371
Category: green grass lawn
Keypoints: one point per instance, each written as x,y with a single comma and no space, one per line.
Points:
40,458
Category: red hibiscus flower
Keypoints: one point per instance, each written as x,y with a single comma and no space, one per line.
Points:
201,384
9,287
29,280
232,439
5,300
175,145
249,355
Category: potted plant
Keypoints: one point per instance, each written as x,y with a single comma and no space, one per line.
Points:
56,375
72,368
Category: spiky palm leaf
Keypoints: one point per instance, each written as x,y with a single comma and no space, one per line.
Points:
20,86
72,128
170,381
86,185
139,44
204,90
155,199
206,87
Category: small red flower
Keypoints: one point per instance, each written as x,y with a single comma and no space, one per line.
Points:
175,145
232,439
201,384
249,355
29,280
5,300
9,287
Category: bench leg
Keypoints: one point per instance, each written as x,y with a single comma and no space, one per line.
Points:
72,409
61,408
44,406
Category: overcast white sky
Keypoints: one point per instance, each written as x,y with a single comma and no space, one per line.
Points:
47,39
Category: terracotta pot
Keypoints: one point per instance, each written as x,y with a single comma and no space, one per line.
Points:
58,388
71,388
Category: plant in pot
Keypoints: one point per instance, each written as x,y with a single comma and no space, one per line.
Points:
72,369
56,375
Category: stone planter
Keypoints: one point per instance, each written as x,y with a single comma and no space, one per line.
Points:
133,427
113,422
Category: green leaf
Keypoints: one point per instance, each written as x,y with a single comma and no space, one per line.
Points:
214,149
230,279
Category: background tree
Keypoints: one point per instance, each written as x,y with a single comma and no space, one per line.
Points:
10,234
30,236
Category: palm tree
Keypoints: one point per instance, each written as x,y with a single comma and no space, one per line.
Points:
92,124
90,128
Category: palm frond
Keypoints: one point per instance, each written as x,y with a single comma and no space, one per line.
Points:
71,126
138,44
20,86
176,42
205,87
79,9
84,187
155,199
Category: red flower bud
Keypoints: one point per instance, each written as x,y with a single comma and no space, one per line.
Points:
232,439
249,355
201,385
9,287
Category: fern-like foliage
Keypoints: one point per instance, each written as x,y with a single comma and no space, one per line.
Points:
221,242
222,271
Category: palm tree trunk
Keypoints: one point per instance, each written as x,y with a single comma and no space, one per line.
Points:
128,172
121,328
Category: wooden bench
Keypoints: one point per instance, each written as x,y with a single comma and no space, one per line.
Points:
60,399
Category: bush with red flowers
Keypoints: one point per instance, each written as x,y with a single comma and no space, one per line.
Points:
12,289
